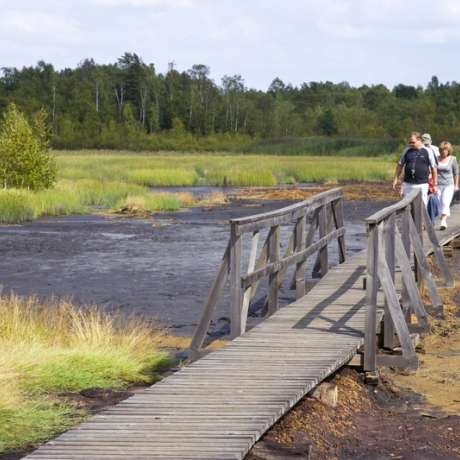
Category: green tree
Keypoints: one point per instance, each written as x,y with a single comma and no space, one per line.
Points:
327,123
25,160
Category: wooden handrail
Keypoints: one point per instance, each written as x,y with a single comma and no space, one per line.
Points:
286,215
386,246
397,208
324,212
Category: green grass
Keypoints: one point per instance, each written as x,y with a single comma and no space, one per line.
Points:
218,168
105,179
334,146
16,206
50,349
163,177
149,202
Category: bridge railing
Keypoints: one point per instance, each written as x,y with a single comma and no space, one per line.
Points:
323,212
395,237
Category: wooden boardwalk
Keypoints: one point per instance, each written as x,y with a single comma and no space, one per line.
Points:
220,405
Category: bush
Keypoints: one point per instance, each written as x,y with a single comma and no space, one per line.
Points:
25,161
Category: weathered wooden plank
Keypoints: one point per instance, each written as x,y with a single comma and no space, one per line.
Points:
389,240
300,242
337,213
286,215
274,257
211,301
398,207
396,312
294,258
409,282
323,222
235,282
437,250
423,267
247,292
370,345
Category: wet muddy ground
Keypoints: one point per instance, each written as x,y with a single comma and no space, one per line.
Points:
161,267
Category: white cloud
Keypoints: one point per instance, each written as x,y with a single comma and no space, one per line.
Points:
143,3
35,27
297,40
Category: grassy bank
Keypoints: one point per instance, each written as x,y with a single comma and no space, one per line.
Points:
47,350
106,180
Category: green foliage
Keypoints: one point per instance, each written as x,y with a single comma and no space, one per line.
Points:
128,105
342,146
25,161
327,124
16,206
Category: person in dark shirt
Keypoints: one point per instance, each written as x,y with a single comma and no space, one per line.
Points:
417,163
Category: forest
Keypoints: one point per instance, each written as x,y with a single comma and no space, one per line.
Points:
129,105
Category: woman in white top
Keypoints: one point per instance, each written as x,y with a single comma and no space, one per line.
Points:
447,180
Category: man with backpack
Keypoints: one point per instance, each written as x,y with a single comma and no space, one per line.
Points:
417,162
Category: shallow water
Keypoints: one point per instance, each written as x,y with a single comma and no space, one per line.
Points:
161,268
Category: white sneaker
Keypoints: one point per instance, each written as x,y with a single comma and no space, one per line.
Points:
443,225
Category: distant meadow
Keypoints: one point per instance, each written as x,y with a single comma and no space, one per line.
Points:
90,180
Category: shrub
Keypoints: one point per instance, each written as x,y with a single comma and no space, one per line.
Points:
25,161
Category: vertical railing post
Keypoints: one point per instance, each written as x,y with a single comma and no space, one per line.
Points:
370,339
323,256
405,238
235,282
416,209
389,240
273,256
337,212
300,241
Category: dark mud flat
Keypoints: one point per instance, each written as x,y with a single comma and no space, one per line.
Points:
161,268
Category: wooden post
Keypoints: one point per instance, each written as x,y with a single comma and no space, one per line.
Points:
389,239
300,267
247,292
273,256
405,239
394,309
437,251
416,208
409,282
213,295
235,282
337,213
370,339
323,256
424,269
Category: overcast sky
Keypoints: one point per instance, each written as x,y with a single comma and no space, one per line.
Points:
359,41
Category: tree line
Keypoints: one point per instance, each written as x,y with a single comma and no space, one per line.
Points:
128,104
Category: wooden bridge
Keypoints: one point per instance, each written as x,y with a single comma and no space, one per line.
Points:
221,404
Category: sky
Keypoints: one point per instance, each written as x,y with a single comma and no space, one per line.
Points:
358,41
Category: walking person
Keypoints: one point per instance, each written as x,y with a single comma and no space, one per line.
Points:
417,163
428,143
447,180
